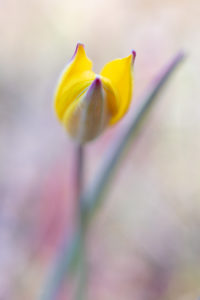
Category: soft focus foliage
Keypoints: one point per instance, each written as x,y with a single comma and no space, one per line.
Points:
145,242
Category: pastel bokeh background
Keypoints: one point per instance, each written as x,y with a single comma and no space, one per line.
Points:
144,242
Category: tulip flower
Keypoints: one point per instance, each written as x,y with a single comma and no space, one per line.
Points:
87,103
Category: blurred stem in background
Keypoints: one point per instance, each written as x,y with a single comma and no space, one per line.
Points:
92,197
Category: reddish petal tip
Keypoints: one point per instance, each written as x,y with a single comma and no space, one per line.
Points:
80,44
134,54
76,50
97,81
95,85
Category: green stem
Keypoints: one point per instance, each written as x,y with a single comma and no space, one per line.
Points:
82,270
82,266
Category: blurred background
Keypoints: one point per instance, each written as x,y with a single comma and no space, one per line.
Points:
144,243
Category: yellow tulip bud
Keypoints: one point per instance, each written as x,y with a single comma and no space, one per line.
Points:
86,103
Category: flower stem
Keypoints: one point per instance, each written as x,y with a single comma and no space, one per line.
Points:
79,175
82,267
82,270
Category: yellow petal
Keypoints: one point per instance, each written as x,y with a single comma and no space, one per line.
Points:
76,77
111,96
119,72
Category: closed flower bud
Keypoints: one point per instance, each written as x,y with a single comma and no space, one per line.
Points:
86,103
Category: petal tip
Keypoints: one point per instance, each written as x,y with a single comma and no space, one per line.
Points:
79,46
97,81
133,55
95,85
